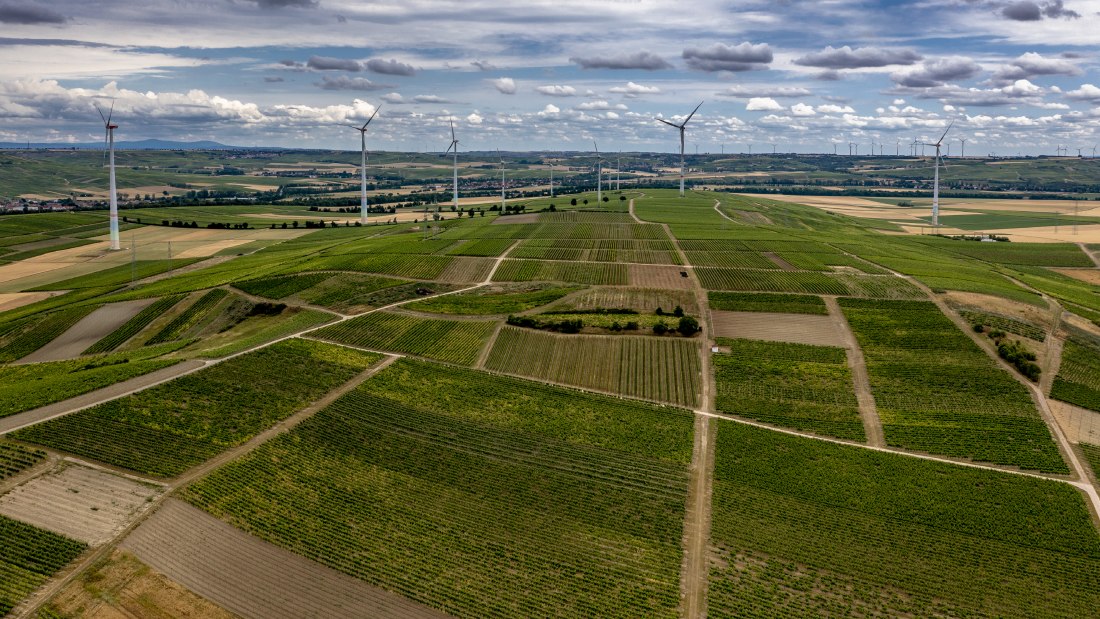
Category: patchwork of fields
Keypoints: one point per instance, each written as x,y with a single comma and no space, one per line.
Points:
485,419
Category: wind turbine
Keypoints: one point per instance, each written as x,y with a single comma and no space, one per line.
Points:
454,147
501,181
681,128
850,145
109,138
1094,150
363,210
936,179
599,174
551,179
962,145
618,166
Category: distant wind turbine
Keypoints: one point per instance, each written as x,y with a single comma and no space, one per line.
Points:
551,178
363,210
681,128
618,166
936,179
501,180
850,145
962,145
109,140
454,147
599,174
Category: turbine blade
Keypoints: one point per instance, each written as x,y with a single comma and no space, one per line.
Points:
952,124
693,112
111,113
453,139
597,149
101,116
371,116
667,123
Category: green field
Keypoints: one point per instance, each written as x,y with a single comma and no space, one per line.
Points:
763,302
793,385
806,528
1078,379
456,341
30,557
499,300
15,458
167,429
478,495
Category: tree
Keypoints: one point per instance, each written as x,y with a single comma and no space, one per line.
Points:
678,312
660,328
606,199
622,198
573,202
688,326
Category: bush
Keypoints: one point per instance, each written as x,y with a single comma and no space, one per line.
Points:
678,312
979,328
631,326
688,326
660,328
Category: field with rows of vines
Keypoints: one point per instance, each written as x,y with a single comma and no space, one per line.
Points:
457,341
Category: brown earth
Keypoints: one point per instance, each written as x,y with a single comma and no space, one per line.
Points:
1079,424
88,331
1089,276
796,328
251,577
666,277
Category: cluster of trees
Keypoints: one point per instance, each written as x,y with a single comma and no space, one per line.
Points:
1014,352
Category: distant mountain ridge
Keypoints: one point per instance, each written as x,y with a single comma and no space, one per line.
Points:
150,144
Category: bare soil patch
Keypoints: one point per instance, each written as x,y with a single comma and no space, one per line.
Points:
13,300
86,504
997,305
251,577
779,262
1079,424
124,588
1090,276
88,331
1064,233
526,218
652,276
797,328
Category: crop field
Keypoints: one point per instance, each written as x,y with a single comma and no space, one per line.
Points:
1004,323
807,282
15,458
20,339
1078,379
498,300
937,391
1092,455
167,429
654,368
638,299
256,330
805,528
765,302
489,248
730,259
597,273
645,252
792,385
121,274
412,266
132,327
281,286
23,387
456,341
477,494
31,556
1023,254
358,291
195,314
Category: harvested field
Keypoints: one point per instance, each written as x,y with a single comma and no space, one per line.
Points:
793,328
251,577
1089,276
1080,424
668,278
856,207
92,328
998,305
81,503
14,300
209,249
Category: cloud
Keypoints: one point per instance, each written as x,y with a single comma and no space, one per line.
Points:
858,58
475,118
1032,11
390,67
645,61
1087,92
763,104
273,80
600,104
746,91
803,110
282,4
632,90
1020,91
504,85
393,98
430,99
831,108
328,63
483,65
557,90
720,57
28,14
1031,64
938,72
344,82
550,110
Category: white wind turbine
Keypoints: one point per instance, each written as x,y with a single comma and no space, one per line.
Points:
599,175
454,147
501,180
618,166
551,178
363,210
936,178
109,139
681,128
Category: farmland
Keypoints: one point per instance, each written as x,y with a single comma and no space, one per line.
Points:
15,458
1078,379
165,430
457,341
471,491
804,528
763,302
793,385
30,557
506,299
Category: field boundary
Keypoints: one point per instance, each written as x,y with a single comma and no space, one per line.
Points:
861,381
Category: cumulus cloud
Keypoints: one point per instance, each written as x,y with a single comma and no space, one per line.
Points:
1020,91
832,108
858,58
29,14
343,82
600,104
389,67
505,85
550,110
328,63
803,110
1031,64
1027,10
1087,92
747,91
430,99
938,72
475,118
556,90
632,90
393,97
645,61
763,104
721,57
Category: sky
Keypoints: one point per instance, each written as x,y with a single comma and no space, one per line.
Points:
1014,76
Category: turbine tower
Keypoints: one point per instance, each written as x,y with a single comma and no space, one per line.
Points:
363,210
599,174
618,166
962,145
454,147
936,179
501,181
681,128
109,139
551,179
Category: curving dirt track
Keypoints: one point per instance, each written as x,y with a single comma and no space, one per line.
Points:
251,577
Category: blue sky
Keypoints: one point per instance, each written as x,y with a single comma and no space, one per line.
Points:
1015,76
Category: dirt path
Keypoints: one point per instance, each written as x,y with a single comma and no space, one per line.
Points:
251,577
87,331
488,347
635,217
718,209
1052,358
872,424
1088,252
112,392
